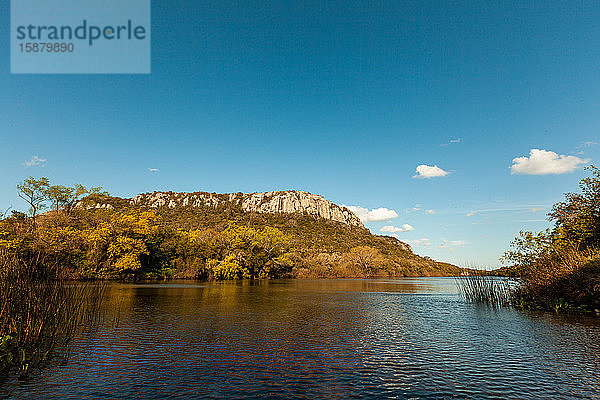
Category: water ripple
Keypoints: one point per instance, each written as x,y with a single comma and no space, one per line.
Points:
396,339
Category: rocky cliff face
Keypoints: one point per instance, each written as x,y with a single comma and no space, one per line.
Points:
290,201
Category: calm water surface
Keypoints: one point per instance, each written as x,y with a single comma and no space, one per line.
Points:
402,339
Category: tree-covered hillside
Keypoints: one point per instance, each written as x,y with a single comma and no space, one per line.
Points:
322,245
94,235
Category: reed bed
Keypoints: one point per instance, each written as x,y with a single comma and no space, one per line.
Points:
489,290
40,310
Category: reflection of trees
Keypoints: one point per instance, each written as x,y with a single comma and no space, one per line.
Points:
334,339
246,333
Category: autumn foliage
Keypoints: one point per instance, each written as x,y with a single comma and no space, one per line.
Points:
93,235
561,266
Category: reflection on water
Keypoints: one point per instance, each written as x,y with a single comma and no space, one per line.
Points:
407,338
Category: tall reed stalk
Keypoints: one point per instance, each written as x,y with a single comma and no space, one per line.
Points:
40,310
485,289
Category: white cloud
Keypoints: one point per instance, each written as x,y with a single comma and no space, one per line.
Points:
35,161
394,229
531,208
585,145
451,245
154,170
543,162
419,242
376,214
418,208
588,144
454,242
427,171
452,141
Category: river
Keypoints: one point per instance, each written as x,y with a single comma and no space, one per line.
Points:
412,338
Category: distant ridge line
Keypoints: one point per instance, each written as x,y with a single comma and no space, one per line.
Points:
274,202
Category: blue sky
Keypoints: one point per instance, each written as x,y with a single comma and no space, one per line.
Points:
344,99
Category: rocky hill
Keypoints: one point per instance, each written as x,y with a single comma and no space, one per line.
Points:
322,232
287,202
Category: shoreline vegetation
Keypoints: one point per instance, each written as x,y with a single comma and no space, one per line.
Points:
557,269
40,312
79,233
84,234
93,235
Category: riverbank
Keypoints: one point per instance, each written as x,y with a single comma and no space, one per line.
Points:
559,268
576,291
40,312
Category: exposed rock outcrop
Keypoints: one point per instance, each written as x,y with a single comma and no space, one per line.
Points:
290,201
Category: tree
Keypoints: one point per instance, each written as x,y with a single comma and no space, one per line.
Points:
66,198
367,259
35,193
263,252
574,239
577,218
59,195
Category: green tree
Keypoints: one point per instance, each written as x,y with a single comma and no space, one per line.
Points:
263,252
58,196
368,259
229,268
577,219
66,197
561,263
35,193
